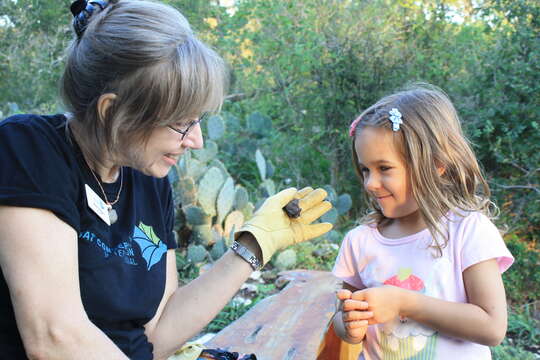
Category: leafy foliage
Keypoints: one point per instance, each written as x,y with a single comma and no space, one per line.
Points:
522,280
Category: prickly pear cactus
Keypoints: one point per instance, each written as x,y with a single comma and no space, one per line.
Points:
196,253
225,200
207,153
196,215
241,197
215,126
218,249
210,185
187,190
341,205
261,164
259,125
267,188
202,235
233,221
211,204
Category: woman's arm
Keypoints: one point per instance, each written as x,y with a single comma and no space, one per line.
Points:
38,257
482,320
193,306
188,309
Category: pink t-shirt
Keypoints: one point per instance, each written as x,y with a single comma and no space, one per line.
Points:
368,259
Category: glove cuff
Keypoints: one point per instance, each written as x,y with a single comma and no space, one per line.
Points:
263,239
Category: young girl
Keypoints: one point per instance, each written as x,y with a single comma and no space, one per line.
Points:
422,274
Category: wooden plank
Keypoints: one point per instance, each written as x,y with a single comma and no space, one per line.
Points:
290,325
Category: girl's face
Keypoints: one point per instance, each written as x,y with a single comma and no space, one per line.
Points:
385,174
163,149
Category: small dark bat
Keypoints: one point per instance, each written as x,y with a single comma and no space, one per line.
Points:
292,209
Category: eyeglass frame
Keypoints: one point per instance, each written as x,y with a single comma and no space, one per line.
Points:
191,124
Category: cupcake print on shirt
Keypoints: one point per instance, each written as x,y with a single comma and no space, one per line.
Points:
404,338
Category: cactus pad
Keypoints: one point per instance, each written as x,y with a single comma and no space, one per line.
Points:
211,182
234,220
261,164
195,215
196,253
215,126
225,200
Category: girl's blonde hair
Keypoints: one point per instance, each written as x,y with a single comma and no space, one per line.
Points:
145,53
430,138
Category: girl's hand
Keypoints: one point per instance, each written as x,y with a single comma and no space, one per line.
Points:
384,302
354,314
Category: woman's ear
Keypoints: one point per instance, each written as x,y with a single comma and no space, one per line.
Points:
103,104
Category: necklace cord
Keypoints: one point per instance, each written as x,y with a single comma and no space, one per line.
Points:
103,191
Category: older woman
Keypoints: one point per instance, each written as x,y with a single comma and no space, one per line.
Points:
79,190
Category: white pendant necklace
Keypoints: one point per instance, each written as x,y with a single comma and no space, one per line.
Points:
113,215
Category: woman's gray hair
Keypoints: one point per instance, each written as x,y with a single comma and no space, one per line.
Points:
145,53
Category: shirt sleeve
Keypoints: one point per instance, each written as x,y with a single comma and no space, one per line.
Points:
36,171
483,241
346,267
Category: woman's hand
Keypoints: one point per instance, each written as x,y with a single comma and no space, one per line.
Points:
354,315
274,230
384,302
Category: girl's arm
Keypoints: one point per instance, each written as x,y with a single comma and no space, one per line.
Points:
184,311
351,325
482,320
38,257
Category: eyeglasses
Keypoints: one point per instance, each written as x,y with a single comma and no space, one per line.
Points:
185,129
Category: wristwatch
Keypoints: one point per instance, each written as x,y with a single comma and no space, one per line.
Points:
247,255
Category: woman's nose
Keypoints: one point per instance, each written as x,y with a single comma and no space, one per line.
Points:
194,138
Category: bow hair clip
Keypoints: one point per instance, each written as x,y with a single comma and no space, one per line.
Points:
395,118
82,10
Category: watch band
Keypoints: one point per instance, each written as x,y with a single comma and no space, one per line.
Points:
247,255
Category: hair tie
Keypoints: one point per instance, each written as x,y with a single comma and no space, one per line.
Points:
82,11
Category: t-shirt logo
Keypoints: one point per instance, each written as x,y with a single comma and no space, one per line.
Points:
152,248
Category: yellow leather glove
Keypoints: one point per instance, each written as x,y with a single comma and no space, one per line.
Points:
274,230
189,351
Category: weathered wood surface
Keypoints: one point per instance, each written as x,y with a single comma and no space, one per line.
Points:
289,325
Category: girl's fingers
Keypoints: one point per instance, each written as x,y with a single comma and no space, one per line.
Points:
349,305
352,316
343,294
353,325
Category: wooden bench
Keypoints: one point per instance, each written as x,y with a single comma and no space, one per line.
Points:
294,324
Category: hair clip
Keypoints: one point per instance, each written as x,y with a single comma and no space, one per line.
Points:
82,11
395,118
352,128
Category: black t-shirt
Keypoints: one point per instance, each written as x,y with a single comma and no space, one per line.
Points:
122,267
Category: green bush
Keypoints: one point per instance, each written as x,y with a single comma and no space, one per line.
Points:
522,280
522,337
